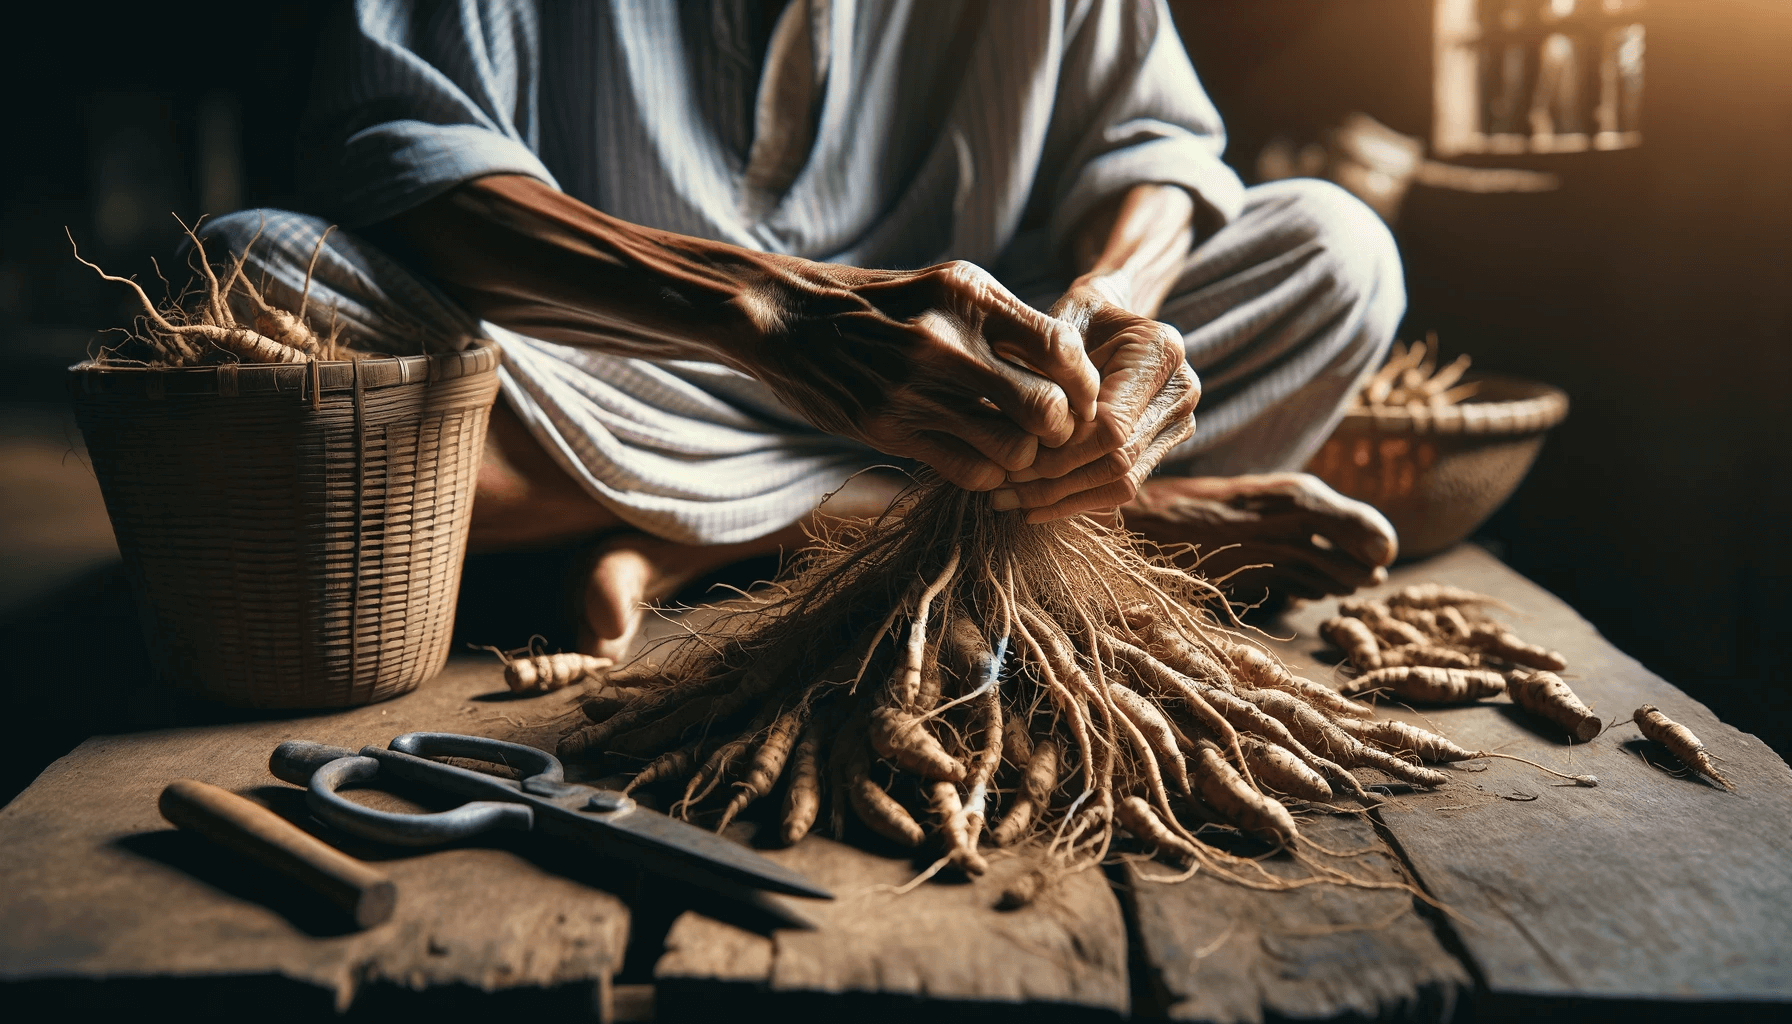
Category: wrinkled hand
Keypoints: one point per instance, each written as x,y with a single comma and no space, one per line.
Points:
1145,408
943,365
1287,534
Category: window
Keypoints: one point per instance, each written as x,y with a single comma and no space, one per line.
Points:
1537,76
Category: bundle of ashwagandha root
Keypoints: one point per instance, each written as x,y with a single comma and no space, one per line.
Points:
1438,645
952,674
199,327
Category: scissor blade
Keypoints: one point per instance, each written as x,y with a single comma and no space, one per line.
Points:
670,846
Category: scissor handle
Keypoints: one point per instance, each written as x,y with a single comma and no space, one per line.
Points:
404,829
532,762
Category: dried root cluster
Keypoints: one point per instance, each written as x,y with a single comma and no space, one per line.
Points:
953,676
1411,377
201,327
1434,644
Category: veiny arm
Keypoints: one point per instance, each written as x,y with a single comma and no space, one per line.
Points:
942,364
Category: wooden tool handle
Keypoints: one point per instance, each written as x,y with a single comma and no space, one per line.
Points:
251,829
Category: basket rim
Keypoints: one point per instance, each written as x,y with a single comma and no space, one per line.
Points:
1538,408
481,356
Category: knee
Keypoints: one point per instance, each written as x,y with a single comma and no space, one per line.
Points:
1353,249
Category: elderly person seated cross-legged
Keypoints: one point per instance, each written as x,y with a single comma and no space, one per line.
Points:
736,253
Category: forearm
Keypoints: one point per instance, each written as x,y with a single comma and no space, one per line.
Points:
908,362
522,255
1136,248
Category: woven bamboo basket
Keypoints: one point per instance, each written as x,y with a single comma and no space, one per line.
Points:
1438,473
293,533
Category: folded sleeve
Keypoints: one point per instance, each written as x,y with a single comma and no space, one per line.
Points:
413,97
1129,111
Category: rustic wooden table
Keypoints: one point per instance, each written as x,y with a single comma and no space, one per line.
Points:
1646,896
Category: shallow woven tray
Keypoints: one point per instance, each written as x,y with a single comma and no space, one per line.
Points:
294,533
1438,473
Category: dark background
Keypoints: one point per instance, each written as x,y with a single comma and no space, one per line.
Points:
1653,285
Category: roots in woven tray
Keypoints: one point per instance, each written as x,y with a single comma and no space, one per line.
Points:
952,675
199,327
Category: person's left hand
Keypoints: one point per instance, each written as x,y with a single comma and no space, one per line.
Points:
1145,408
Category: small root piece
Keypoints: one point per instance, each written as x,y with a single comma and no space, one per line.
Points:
1381,620
767,763
1034,793
1436,595
671,765
1280,770
1424,618
1137,817
1429,684
802,799
1226,792
1507,646
1157,732
1452,624
876,808
1407,739
957,831
1545,695
903,738
1355,639
543,673
1680,741
1416,655
1327,699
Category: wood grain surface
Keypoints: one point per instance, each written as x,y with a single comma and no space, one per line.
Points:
1220,952
1653,886
943,941
99,886
1650,886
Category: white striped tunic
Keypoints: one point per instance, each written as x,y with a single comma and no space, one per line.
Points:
891,134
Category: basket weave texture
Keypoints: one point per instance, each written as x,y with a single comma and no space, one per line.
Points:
1439,473
293,533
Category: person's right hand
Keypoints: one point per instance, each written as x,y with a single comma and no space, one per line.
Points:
943,365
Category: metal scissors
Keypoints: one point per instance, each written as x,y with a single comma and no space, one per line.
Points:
543,801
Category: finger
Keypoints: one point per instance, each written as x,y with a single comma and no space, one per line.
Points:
1146,382
958,462
1172,418
958,374
1117,493
1021,334
1355,527
1041,494
1032,402
1313,572
1088,443
992,435
1345,572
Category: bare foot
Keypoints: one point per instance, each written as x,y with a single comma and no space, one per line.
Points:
1315,540
633,570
